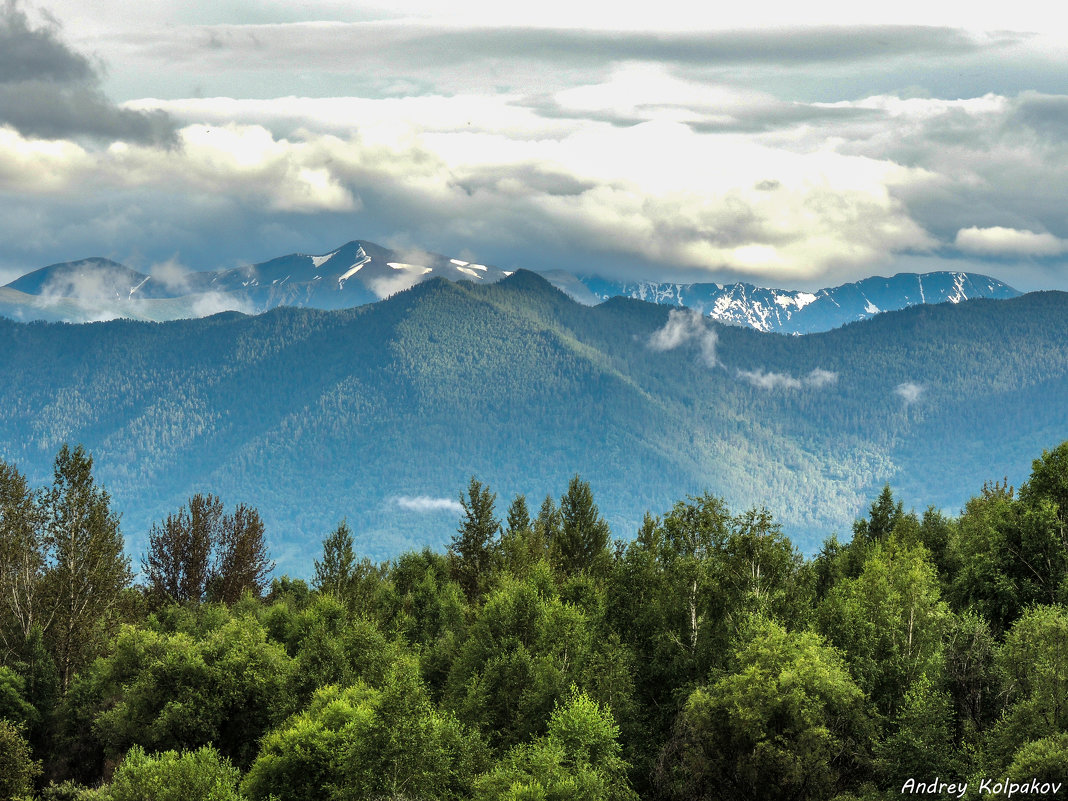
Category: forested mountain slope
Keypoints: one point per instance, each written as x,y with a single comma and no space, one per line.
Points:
382,413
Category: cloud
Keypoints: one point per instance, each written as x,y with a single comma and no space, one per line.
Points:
172,275
409,47
909,392
384,286
424,503
762,379
578,192
995,173
818,378
999,241
684,326
90,281
47,90
208,303
637,152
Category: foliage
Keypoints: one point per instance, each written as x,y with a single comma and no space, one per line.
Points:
889,620
922,742
17,766
201,775
179,551
336,572
1034,665
23,554
362,742
63,571
705,659
1045,759
13,704
788,720
474,547
241,560
578,757
89,568
581,543
178,692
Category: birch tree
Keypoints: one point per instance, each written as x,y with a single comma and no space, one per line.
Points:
88,569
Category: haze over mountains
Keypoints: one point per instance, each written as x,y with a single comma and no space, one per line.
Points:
361,272
381,413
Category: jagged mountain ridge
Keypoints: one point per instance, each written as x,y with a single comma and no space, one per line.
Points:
361,272
797,312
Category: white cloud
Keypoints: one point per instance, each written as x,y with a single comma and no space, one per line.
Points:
909,392
88,282
999,241
208,303
818,378
39,166
246,162
171,273
638,151
699,200
683,326
424,503
762,379
387,285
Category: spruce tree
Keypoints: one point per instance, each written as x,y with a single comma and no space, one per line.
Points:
336,572
474,546
582,542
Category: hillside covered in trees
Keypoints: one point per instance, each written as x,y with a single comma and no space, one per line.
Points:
703,657
381,413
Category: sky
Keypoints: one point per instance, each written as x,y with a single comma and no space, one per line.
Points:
784,144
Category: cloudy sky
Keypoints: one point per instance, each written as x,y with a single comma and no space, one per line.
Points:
794,145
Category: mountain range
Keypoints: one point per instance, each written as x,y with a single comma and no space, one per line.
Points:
361,272
381,413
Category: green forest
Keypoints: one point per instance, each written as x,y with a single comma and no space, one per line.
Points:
538,656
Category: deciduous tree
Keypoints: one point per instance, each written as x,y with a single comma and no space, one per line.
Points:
179,551
89,569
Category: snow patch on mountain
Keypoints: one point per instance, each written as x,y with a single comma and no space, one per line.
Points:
363,259
958,294
319,261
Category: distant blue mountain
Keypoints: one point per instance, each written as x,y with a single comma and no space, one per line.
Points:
361,272
794,312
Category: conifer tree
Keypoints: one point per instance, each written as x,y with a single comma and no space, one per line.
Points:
518,515
523,543
547,523
883,517
474,547
583,538
336,572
